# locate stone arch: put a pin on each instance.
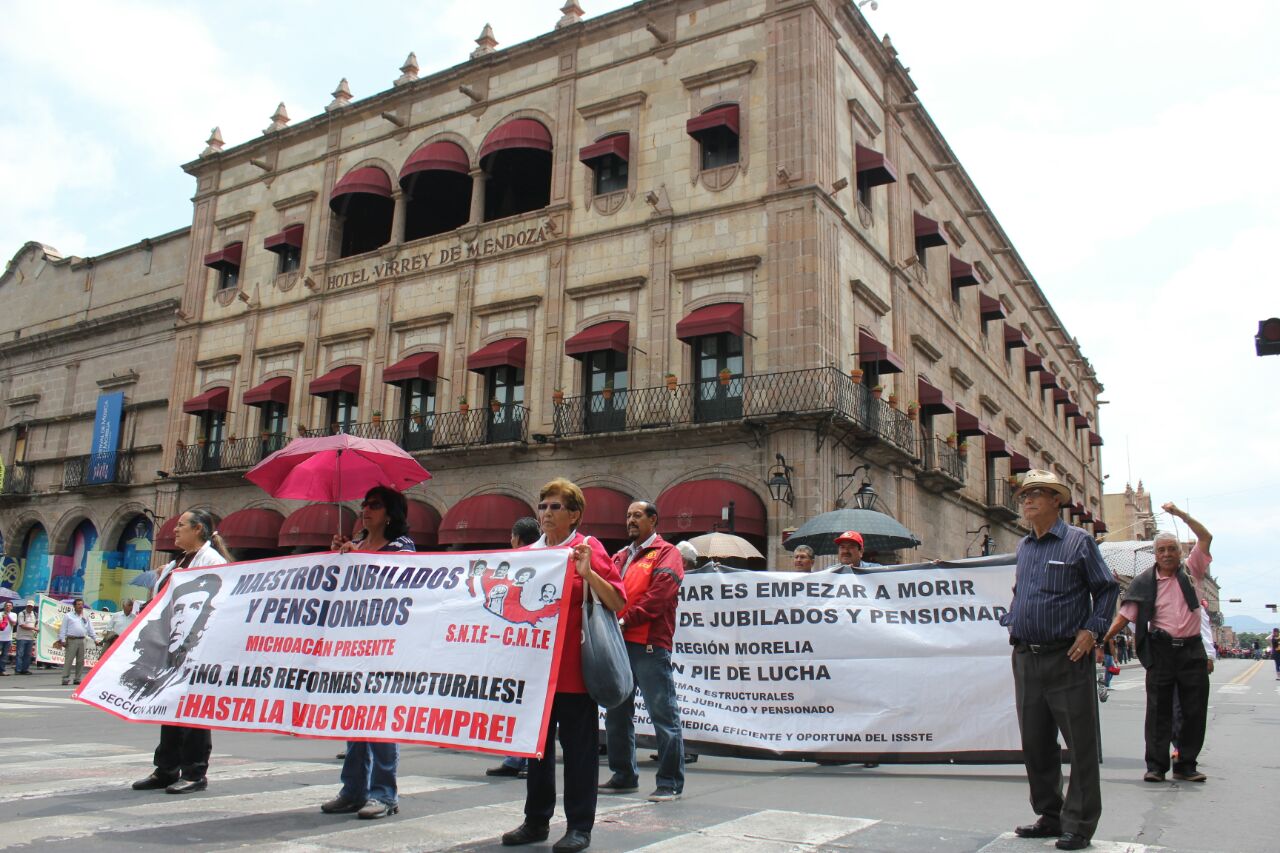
(60, 535)
(111, 531)
(15, 538)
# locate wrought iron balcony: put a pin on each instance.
(18, 479)
(944, 465)
(444, 430)
(97, 469)
(229, 454)
(1000, 499)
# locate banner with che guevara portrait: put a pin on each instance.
(450, 649)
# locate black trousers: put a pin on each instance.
(183, 751)
(576, 717)
(1055, 695)
(1184, 671)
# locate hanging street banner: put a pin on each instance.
(454, 649)
(903, 664)
(49, 613)
(106, 438)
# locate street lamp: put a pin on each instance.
(865, 497)
(779, 481)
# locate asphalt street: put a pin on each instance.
(67, 769)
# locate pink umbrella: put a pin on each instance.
(335, 468)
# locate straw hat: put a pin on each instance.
(1038, 478)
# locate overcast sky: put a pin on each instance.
(1126, 147)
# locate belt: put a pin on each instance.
(1178, 642)
(1046, 646)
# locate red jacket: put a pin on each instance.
(652, 582)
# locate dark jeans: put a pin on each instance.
(183, 751)
(1053, 695)
(26, 650)
(1183, 671)
(369, 771)
(651, 667)
(577, 719)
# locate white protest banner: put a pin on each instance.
(904, 664)
(49, 613)
(455, 649)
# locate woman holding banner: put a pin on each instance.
(560, 508)
(182, 758)
(369, 768)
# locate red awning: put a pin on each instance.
(1047, 380)
(345, 378)
(1081, 422)
(421, 365)
(967, 424)
(990, 308)
(612, 335)
(227, 259)
(313, 526)
(873, 168)
(1032, 362)
(1070, 409)
(696, 507)
(517, 133)
(1060, 397)
(726, 116)
(1018, 463)
(1014, 337)
(1087, 518)
(291, 236)
(606, 514)
(996, 446)
(712, 320)
(252, 528)
(962, 274)
(871, 351)
(437, 157)
(164, 536)
(213, 400)
(617, 145)
(932, 400)
(369, 180)
(276, 390)
(424, 525)
(928, 232)
(506, 352)
(1077, 509)
(1099, 526)
(482, 520)
(1095, 440)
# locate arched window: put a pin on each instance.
(436, 180)
(362, 200)
(516, 158)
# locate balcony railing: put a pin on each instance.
(1000, 497)
(942, 457)
(18, 479)
(228, 454)
(97, 469)
(445, 430)
(891, 425)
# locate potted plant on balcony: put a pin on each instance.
(877, 391)
(495, 405)
(856, 374)
(463, 406)
(607, 391)
(963, 448)
(913, 409)
(671, 381)
(951, 440)
(725, 376)
(893, 400)
(377, 416)
(557, 396)
(302, 429)
(416, 414)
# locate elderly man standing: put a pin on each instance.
(652, 570)
(76, 629)
(1063, 598)
(119, 623)
(802, 558)
(1163, 604)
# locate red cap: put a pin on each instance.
(850, 536)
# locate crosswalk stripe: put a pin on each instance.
(11, 792)
(1235, 688)
(764, 832)
(46, 751)
(1010, 843)
(43, 700)
(193, 809)
(438, 831)
(7, 740)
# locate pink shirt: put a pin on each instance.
(1172, 613)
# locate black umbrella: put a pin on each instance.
(879, 531)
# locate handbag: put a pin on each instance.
(606, 669)
(1113, 669)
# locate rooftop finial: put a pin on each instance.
(572, 14)
(279, 120)
(341, 96)
(213, 145)
(408, 71)
(486, 43)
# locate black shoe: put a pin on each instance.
(375, 809)
(154, 782)
(525, 834)
(1193, 776)
(618, 785)
(503, 770)
(341, 805)
(573, 841)
(1042, 828)
(187, 786)
(1152, 776)
(342, 756)
(1071, 841)
(871, 764)
(664, 794)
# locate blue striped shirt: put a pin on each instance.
(1061, 586)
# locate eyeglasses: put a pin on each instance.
(550, 507)
(1033, 493)
(371, 505)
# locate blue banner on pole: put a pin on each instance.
(106, 438)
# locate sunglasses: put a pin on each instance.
(371, 505)
(550, 507)
(1033, 493)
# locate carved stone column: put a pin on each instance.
(477, 197)
(397, 216)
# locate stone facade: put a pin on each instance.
(1130, 514)
(820, 270)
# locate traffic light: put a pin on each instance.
(1267, 341)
